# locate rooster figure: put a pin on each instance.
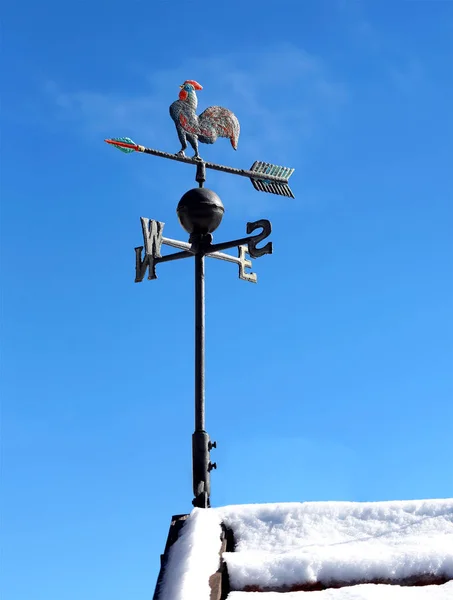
(214, 122)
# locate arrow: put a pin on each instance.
(265, 177)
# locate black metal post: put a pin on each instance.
(201, 444)
(199, 342)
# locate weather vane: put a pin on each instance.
(200, 212)
(214, 122)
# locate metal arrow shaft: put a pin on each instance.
(190, 161)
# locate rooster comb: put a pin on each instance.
(195, 84)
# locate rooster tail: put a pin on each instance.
(221, 122)
(234, 139)
(234, 130)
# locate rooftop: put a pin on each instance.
(314, 551)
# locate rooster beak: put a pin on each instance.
(181, 86)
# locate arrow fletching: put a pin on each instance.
(280, 188)
(124, 144)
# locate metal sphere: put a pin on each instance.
(200, 211)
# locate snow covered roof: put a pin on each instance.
(315, 551)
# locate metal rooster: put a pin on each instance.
(213, 122)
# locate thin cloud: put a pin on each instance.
(280, 96)
(399, 67)
(98, 112)
(408, 78)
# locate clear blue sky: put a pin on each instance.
(330, 379)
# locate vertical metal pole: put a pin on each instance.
(200, 439)
(199, 343)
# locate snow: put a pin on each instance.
(193, 558)
(281, 545)
(304, 543)
(358, 592)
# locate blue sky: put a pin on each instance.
(331, 379)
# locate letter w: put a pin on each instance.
(152, 237)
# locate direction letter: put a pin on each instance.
(256, 239)
(245, 264)
(152, 236)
